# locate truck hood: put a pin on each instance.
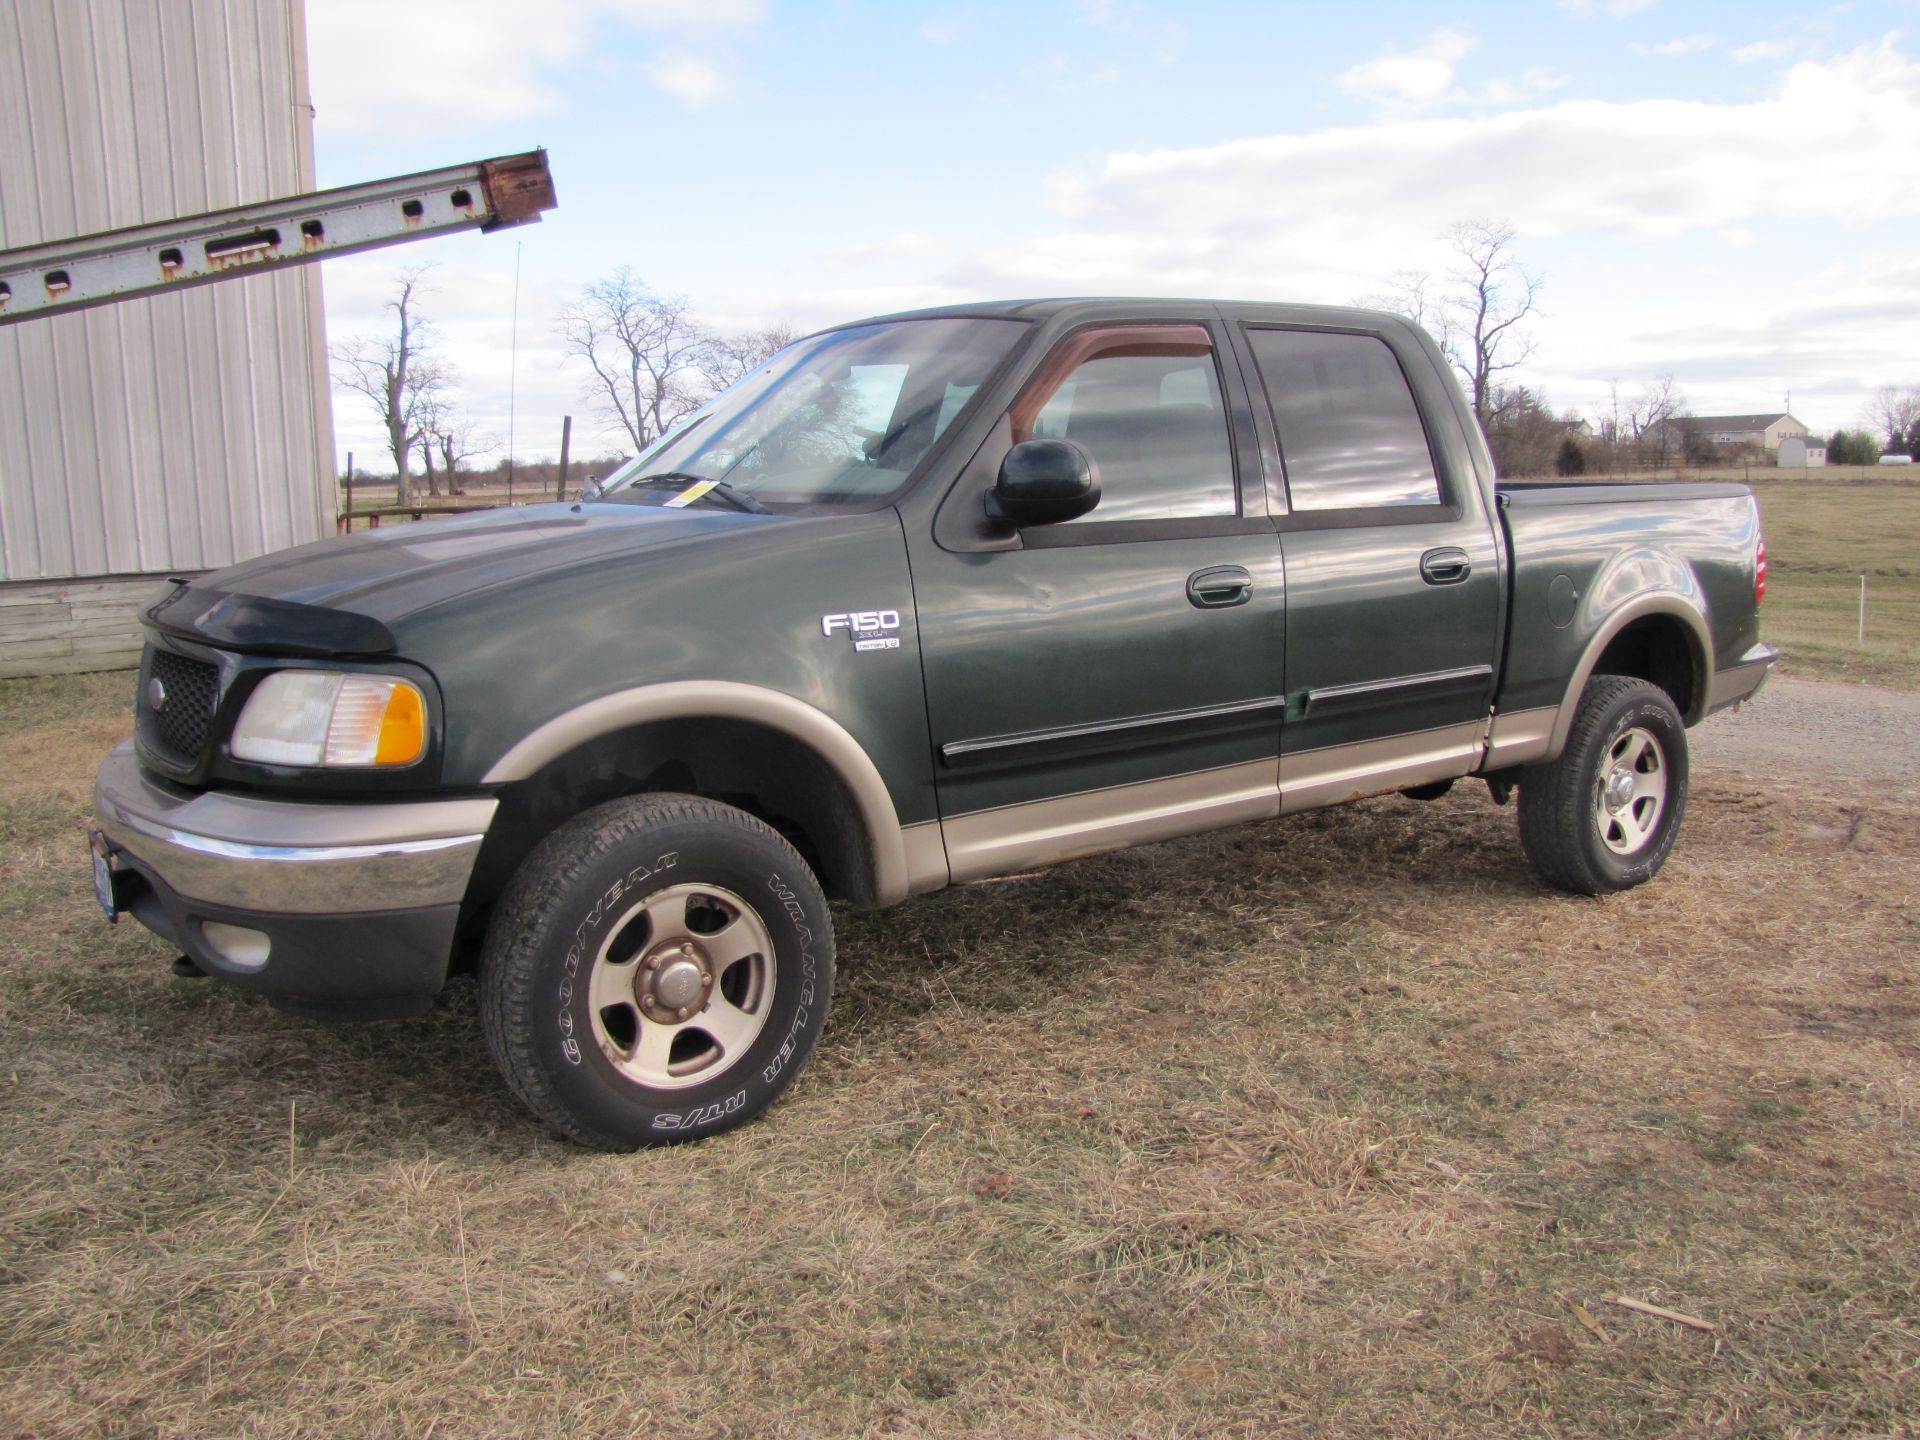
(370, 580)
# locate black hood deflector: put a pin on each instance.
(257, 624)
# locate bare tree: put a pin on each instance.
(454, 439)
(1653, 418)
(399, 377)
(1894, 410)
(647, 354)
(1493, 295)
(729, 357)
(1477, 313)
(1411, 293)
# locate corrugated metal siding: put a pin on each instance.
(185, 431)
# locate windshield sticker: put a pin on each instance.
(868, 629)
(690, 494)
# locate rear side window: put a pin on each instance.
(1349, 433)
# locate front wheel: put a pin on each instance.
(1605, 815)
(658, 970)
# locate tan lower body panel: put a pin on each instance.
(1521, 738)
(1339, 773)
(1045, 832)
(926, 857)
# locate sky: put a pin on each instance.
(1726, 191)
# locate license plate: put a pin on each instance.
(103, 876)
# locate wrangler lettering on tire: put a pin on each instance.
(658, 970)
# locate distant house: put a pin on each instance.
(1752, 432)
(1801, 451)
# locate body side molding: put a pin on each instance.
(1340, 697)
(893, 877)
(1115, 734)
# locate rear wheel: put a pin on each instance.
(658, 970)
(1605, 815)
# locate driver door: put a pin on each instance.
(1118, 677)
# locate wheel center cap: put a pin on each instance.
(1619, 790)
(678, 983)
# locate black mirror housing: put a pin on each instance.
(1045, 482)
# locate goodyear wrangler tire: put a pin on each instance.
(658, 970)
(1604, 816)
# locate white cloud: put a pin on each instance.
(908, 245)
(1417, 77)
(1682, 45)
(1618, 9)
(1835, 138)
(1830, 349)
(428, 67)
(1531, 85)
(1327, 215)
(1764, 50)
(688, 77)
(1121, 17)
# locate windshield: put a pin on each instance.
(835, 420)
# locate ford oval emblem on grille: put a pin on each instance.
(157, 693)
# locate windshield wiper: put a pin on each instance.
(736, 497)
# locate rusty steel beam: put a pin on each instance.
(114, 265)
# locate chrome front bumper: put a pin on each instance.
(290, 857)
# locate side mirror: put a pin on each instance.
(1045, 482)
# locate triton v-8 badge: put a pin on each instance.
(869, 629)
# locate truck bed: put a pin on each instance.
(1580, 551)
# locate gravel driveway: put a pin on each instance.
(1814, 730)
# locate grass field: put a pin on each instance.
(1822, 536)
(1339, 1126)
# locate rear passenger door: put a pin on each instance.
(1393, 570)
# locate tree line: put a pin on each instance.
(1479, 311)
(649, 361)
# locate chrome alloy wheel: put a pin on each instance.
(1630, 795)
(682, 986)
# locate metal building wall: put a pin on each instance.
(180, 432)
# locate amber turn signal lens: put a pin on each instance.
(403, 729)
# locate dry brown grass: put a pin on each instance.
(1320, 1128)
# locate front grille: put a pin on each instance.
(181, 724)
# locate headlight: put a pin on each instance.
(325, 717)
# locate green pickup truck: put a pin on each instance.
(924, 600)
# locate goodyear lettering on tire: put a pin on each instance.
(570, 970)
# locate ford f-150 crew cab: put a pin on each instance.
(923, 600)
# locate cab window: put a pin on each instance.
(1145, 402)
(1350, 435)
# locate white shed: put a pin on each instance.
(163, 435)
(1798, 452)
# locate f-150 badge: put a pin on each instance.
(869, 629)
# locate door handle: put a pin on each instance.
(1447, 566)
(1219, 588)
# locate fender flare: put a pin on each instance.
(1661, 602)
(731, 700)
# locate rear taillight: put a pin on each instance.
(1760, 573)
